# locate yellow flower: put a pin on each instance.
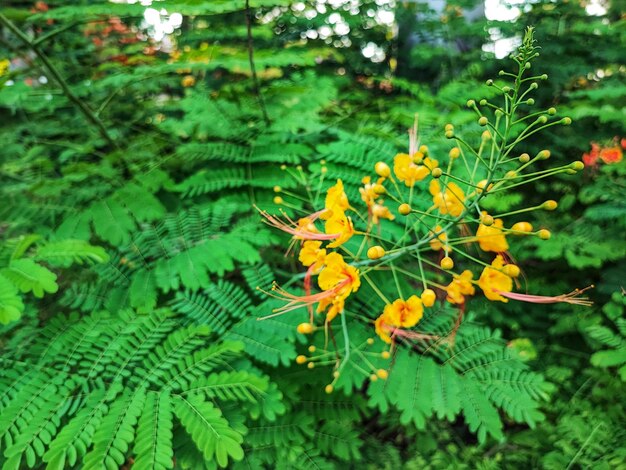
(339, 276)
(381, 212)
(408, 171)
(4, 66)
(368, 195)
(336, 307)
(312, 254)
(341, 226)
(381, 326)
(492, 238)
(450, 201)
(405, 314)
(438, 242)
(188, 81)
(492, 281)
(336, 201)
(460, 286)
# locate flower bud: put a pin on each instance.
(323, 162)
(489, 82)
(311, 365)
(566, 121)
(437, 172)
(418, 158)
(470, 103)
(299, 168)
(312, 349)
(549, 205)
(382, 169)
(324, 170)
(423, 149)
(480, 186)
(379, 189)
(483, 121)
(329, 389)
(542, 119)
(336, 374)
(511, 174)
(370, 341)
(544, 76)
(277, 189)
(305, 328)
(486, 135)
(551, 111)
(385, 355)
(511, 270)
(543, 155)
(524, 158)
(577, 166)
(544, 234)
(522, 227)
(428, 297)
(483, 102)
(448, 127)
(376, 252)
(487, 220)
(382, 374)
(533, 86)
(283, 167)
(301, 359)
(498, 113)
(506, 89)
(373, 377)
(527, 65)
(501, 73)
(449, 134)
(447, 263)
(455, 152)
(278, 200)
(530, 101)
(404, 209)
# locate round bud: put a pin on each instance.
(570, 172)
(501, 73)
(446, 263)
(283, 167)
(278, 200)
(551, 111)
(428, 297)
(373, 377)
(542, 119)
(483, 102)
(522, 227)
(549, 205)
(506, 89)
(323, 162)
(423, 149)
(324, 170)
(311, 365)
(329, 389)
(448, 127)
(511, 270)
(312, 349)
(544, 155)
(455, 152)
(486, 220)
(370, 341)
(527, 65)
(486, 135)
(379, 189)
(418, 158)
(437, 172)
(530, 101)
(566, 121)
(305, 328)
(510, 174)
(544, 234)
(524, 158)
(404, 209)
(489, 82)
(483, 121)
(480, 186)
(382, 169)
(449, 134)
(277, 189)
(498, 113)
(299, 168)
(577, 166)
(301, 359)
(382, 374)
(385, 355)
(336, 374)
(544, 76)
(533, 86)
(376, 252)
(470, 103)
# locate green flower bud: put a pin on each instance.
(506, 89)
(527, 65)
(566, 121)
(544, 77)
(449, 134)
(483, 102)
(534, 86)
(542, 119)
(499, 113)
(489, 82)
(577, 166)
(470, 103)
(552, 111)
(524, 158)
(543, 155)
(437, 172)
(501, 73)
(530, 101)
(483, 121)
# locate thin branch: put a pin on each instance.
(54, 73)
(255, 79)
